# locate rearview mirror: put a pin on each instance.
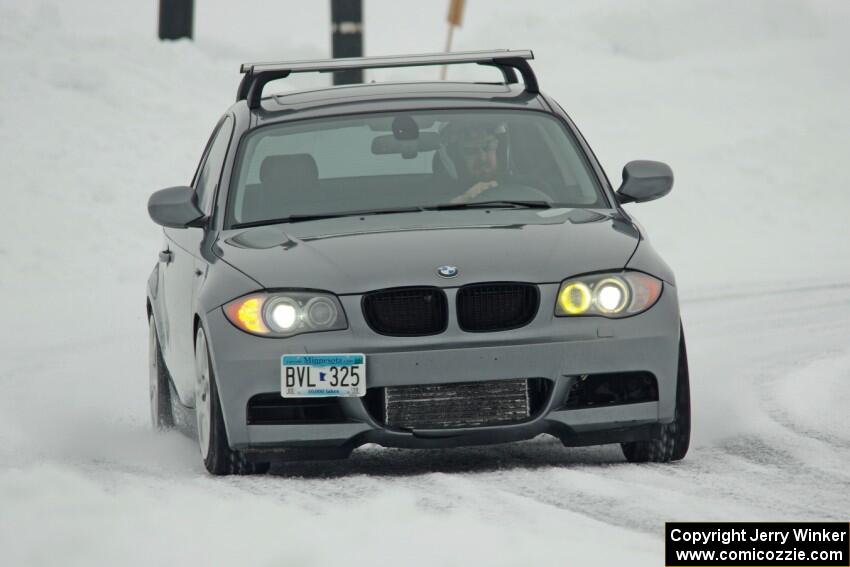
(645, 180)
(389, 144)
(175, 207)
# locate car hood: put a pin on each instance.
(352, 255)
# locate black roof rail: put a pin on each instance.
(507, 61)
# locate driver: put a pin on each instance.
(474, 150)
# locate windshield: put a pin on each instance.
(411, 160)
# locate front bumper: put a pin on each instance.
(557, 348)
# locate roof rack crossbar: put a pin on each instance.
(257, 75)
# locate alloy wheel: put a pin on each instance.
(203, 402)
(153, 376)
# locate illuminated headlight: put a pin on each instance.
(609, 295)
(282, 314)
(285, 314)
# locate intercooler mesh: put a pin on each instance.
(467, 404)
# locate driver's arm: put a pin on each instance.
(474, 191)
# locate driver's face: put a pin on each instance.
(480, 157)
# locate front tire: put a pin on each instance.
(675, 437)
(159, 384)
(219, 458)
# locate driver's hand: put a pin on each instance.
(474, 191)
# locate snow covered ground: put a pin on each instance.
(746, 100)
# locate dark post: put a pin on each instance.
(176, 19)
(347, 37)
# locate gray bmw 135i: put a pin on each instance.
(416, 265)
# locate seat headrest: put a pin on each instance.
(293, 170)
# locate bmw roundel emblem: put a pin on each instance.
(447, 271)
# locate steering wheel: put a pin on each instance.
(513, 192)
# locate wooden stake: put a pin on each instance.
(455, 19)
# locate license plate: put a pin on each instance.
(323, 375)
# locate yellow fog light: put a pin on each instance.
(575, 298)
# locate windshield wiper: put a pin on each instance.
(492, 205)
(443, 207)
(321, 216)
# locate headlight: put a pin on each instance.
(285, 314)
(608, 295)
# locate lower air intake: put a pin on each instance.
(597, 390)
(272, 409)
(465, 404)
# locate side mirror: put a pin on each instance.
(175, 207)
(645, 181)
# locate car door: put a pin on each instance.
(181, 269)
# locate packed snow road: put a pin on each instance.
(85, 482)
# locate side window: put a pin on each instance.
(208, 176)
